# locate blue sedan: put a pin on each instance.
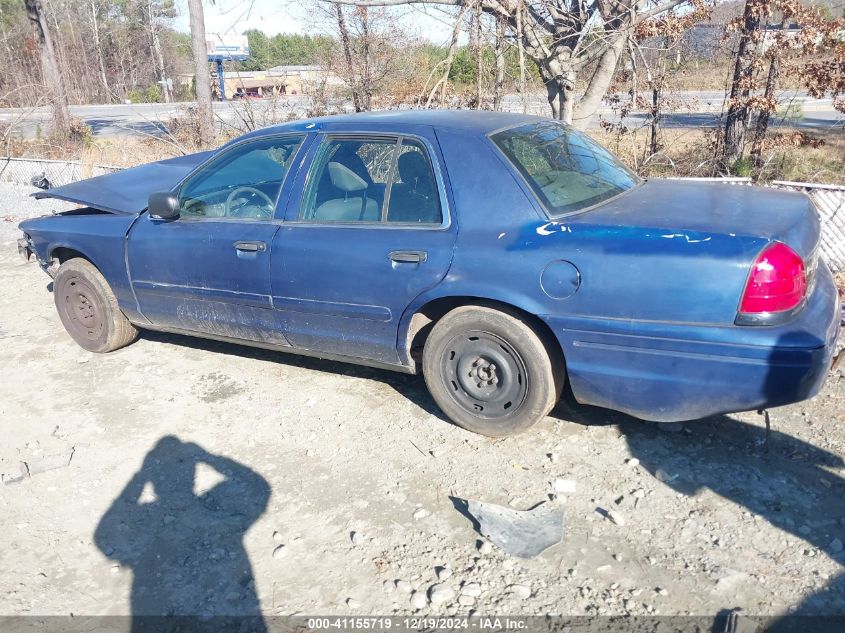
(499, 255)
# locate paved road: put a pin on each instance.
(700, 109)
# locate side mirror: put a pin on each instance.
(163, 206)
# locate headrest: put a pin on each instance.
(345, 179)
(412, 166)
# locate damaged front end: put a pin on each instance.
(25, 249)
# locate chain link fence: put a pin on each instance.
(830, 202)
(829, 199)
(33, 171)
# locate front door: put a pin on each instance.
(208, 271)
(369, 231)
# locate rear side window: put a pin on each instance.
(566, 169)
(414, 198)
(372, 181)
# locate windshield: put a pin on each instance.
(566, 169)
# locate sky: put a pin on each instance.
(286, 16)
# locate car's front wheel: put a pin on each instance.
(490, 372)
(88, 308)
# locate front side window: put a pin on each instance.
(372, 181)
(566, 169)
(242, 183)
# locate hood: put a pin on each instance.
(708, 208)
(127, 191)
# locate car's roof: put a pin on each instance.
(473, 121)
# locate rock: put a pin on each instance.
(466, 601)
(418, 600)
(663, 476)
(616, 517)
(564, 486)
(83, 359)
(440, 593)
(421, 513)
(520, 591)
(471, 589)
(352, 603)
(661, 591)
(404, 586)
(277, 536)
(639, 493)
(553, 458)
(356, 538)
(279, 551)
(443, 573)
(388, 586)
(485, 548)
(836, 546)
(633, 462)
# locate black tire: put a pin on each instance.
(490, 371)
(88, 308)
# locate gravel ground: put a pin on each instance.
(17, 204)
(206, 478)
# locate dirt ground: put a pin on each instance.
(229, 480)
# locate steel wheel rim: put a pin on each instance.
(82, 309)
(484, 374)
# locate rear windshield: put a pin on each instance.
(566, 169)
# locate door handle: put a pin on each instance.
(250, 247)
(408, 257)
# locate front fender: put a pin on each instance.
(99, 237)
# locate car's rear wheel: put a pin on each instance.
(490, 372)
(88, 308)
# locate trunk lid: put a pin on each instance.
(692, 210)
(127, 191)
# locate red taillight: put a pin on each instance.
(778, 281)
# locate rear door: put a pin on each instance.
(368, 229)
(208, 271)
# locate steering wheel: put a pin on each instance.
(236, 209)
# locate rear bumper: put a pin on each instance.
(666, 373)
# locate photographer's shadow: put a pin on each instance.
(185, 548)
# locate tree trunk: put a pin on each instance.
(53, 81)
(366, 79)
(99, 48)
(203, 85)
(654, 141)
(156, 46)
(762, 126)
(478, 52)
(603, 75)
(736, 122)
(347, 54)
(521, 53)
(499, 81)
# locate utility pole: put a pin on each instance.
(203, 85)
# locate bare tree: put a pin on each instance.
(815, 54)
(565, 39)
(203, 85)
(53, 81)
(499, 53)
(351, 78)
(739, 110)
